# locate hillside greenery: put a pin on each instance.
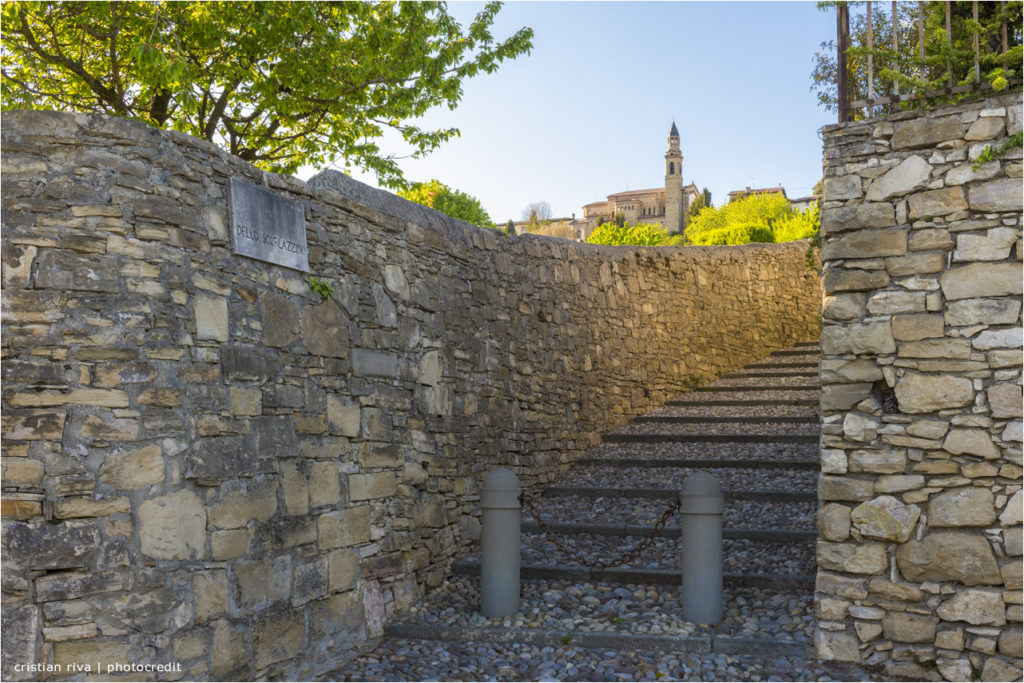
(455, 203)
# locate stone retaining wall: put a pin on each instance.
(206, 465)
(919, 549)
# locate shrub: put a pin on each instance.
(642, 234)
(739, 234)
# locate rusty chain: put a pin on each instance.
(623, 559)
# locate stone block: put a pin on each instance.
(338, 620)
(979, 280)
(324, 484)
(847, 280)
(910, 174)
(865, 244)
(936, 348)
(245, 363)
(949, 556)
(996, 195)
(295, 483)
(852, 558)
(929, 239)
(173, 527)
(242, 500)
(926, 132)
(324, 330)
(277, 637)
(76, 585)
(22, 472)
(859, 217)
(994, 245)
(840, 646)
(344, 528)
(376, 424)
(913, 327)
(210, 590)
(211, 314)
(859, 370)
(975, 606)
(1012, 513)
(92, 656)
(999, 339)
(936, 203)
(257, 584)
(133, 469)
(280, 319)
(857, 338)
(833, 522)
(905, 627)
(895, 591)
(343, 416)
(973, 441)
(373, 363)
(889, 302)
(919, 393)
(1010, 642)
(31, 425)
(229, 544)
(42, 546)
(843, 396)
(310, 581)
(885, 518)
(69, 508)
(860, 427)
(840, 188)
(915, 264)
(230, 646)
(343, 570)
(985, 128)
(898, 483)
(983, 311)
(996, 669)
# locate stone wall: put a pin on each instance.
(919, 551)
(206, 465)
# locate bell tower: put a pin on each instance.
(675, 216)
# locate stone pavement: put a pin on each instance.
(757, 431)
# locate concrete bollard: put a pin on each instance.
(701, 503)
(499, 544)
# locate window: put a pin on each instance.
(671, 168)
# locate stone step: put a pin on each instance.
(606, 640)
(670, 494)
(666, 437)
(765, 387)
(657, 577)
(809, 366)
(699, 463)
(742, 402)
(529, 526)
(727, 419)
(797, 351)
(757, 373)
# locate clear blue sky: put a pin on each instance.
(587, 112)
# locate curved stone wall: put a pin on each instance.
(207, 467)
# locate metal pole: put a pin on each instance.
(499, 544)
(977, 52)
(871, 64)
(895, 48)
(701, 503)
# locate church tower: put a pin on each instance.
(675, 215)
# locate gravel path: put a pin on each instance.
(719, 428)
(731, 479)
(419, 660)
(737, 411)
(811, 382)
(706, 451)
(752, 395)
(791, 516)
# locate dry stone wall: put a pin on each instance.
(919, 550)
(207, 468)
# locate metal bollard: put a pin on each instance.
(701, 503)
(499, 544)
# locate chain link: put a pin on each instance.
(624, 558)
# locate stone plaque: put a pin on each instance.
(268, 227)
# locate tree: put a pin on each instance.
(510, 227)
(538, 211)
(277, 84)
(559, 229)
(699, 204)
(642, 234)
(945, 63)
(456, 204)
(764, 217)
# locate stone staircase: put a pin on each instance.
(583, 618)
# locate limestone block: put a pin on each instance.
(885, 518)
(114, 429)
(1010, 642)
(387, 314)
(860, 217)
(242, 500)
(413, 473)
(994, 245)
(843, 306)
(344, 528)
(229, 544)
(173, 526)
(104, 398)
(913, 327)
(852, 558)
(1012, 513)
(840, 646)
(928, 429)
(256, 584)
(926, 132)
(69, 508)
(928, 239)
(230, 646)
(906, 627)
(324, 484)
(343, 570)
(280, 319)
(85, 655)
(324, 331)
(343, 416)
(394, 279)
(843, 396)
(309, 582)
(210, 589)
(895, 591)
(973, 441)
(372, 363)
(376, 424)
(22, 472)
(431, 370)
(975, 606)
(1013, 575)
(859, 370)
(996, 669)
(42, 546)
(889, 302)
(909, 174)
(898, 483)
(919, 393)
(983, 311)
(295, 484)
(841, 188)
(371, 486)
(846, 280)
(211, 314)
(834, 522)
(965, 173)
(860, 427)
(996, 195)
(865, 244)
(915, 264)
(1012, 338)
(246, 401)
(936, 348)
(277, 637)
(936, 203)
(979, 280)
(965, 506)
(857, 338)
(30, 425)
(985, 128)
(949, 556)
(867, 630)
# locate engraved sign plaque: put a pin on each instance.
(268, 227)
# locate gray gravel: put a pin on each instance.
(731, 479)
(812, 382)
(706, 451)
(751, 395)
(719, 428)
(738, 411)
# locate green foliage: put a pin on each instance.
(280, 84)
(322, 287)
(765, 217)
(510, 227)
(642, 234)
(699, 204)
(946, 62)
(456, 204)
(989, 154)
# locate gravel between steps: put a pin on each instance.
(737, 411)
(790, 516)
(754, 382)
(705, 451)
(719, 428)
(731, 479)
(751, 395)
(429, 660)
